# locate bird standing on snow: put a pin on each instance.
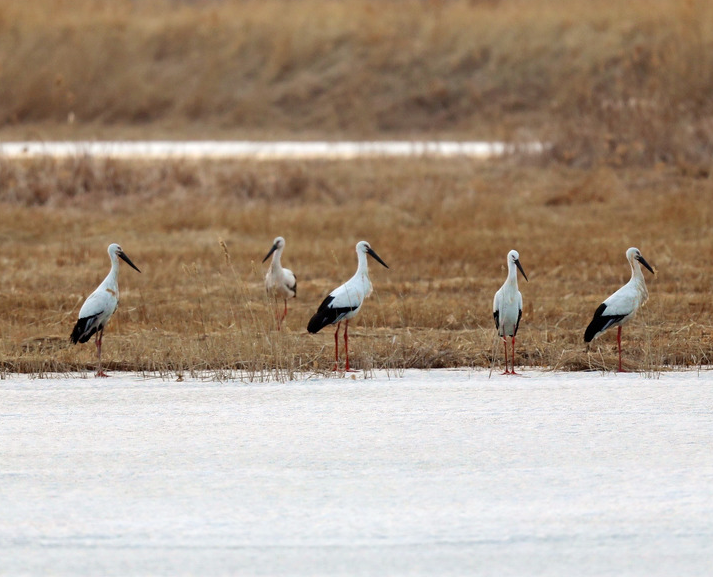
(344, 302)
(507, 307)
(623, 304)
(280, 282)
(100, 305)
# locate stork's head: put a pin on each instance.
(116, 251)
(365, 247)
(634, 254)
(277, 244)
(514, 260)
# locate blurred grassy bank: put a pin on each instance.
(602, 80)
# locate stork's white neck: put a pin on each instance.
(638, 281)
(276, 264)
(363, 265)
(636, 272)
(112, 278)
(362, 273)
(512, 273)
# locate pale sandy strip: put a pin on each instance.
(260, 150)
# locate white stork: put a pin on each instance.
(623, 304)
(100, 305)
(279, 282)
(344, 302)
(507, 307)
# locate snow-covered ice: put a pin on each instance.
(446, 472)
(258, 150)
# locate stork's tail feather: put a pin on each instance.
(327, 316)
(596, 325)
(590, 332)
(321, 318)
(600, 323)
(316, 323)
(83, 330)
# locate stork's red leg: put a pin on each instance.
(336, 348)
(512, 357)
(618, 342)
(505, 343)
(346, 348)
(346, 345)
(98, 338)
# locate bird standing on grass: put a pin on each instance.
(507, 307)
(280, 282)
(620, 307)
(100, 305)
(344, 302)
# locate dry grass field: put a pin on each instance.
(199, 230)
(620, 90)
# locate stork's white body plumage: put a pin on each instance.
(101, 305)
(507, 306)
(621, 306)
(279, 282)
(344, 302)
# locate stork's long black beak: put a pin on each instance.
(127, 260)
(642, 260)
(517, 263)
(273, 249)
(376, 256)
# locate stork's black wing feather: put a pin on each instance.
(84, 329)
(600, 322)
(326, 315)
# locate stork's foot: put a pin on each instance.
(102, 374)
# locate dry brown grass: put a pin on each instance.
(624, 82)
(444, 228)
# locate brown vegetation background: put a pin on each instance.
(620, 91)
(624, 81)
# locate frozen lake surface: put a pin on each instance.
(262, 150)
(445, 472)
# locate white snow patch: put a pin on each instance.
(262, 150)
(442, 472)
